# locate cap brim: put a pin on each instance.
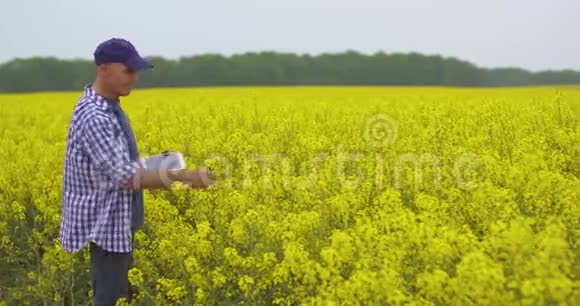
(138, 63)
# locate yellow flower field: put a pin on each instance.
(331, 195)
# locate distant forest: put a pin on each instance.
(281, 69)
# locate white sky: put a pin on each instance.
(531, 34)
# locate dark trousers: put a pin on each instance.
(110, 275)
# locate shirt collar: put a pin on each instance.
(100, 101)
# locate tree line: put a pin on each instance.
(279, 69)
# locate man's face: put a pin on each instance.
(119, 78)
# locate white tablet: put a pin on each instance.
(166, 160)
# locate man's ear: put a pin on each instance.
(102, 67)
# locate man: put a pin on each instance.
(102, 200)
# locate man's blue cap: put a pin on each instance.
(118, 50)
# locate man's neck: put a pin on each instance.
(98, 88)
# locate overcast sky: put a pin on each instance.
(531, 34)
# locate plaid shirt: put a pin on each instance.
(95, 205)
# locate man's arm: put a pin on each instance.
(163, 178)
(107, 153)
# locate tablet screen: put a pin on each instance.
(172, 160)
